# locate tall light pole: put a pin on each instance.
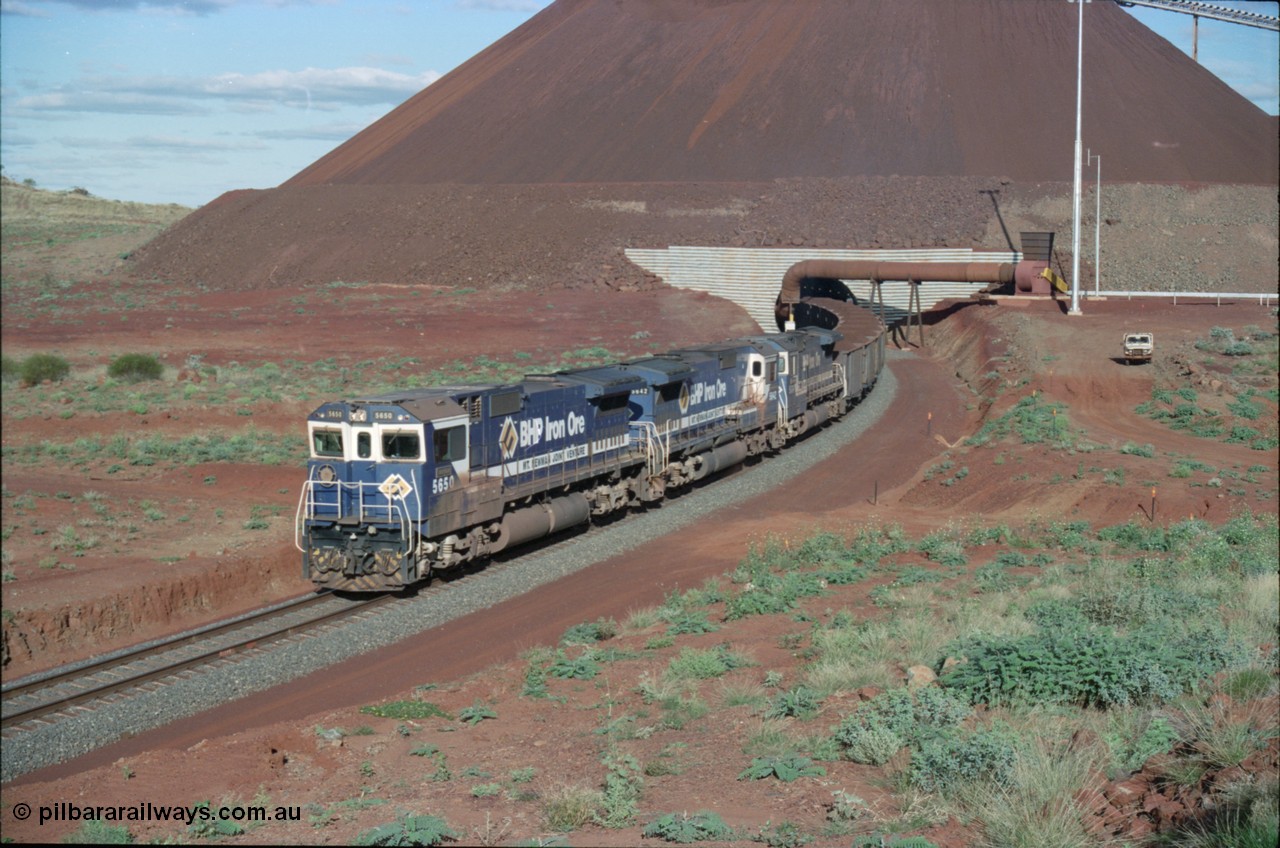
(1097, 226)
(1075, 193)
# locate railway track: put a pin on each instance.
(72, 726)
(44, 699)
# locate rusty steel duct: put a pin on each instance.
(831, 313)
(878, 272)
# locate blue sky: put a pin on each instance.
(177, 101)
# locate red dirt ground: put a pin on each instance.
(266, 745)
(451, 232)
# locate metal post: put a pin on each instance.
(1075, 193)
(1097, 227)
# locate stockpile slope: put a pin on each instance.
(606, 124)
(750, 90)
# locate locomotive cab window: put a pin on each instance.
(757, 368)
(400, 445)
(450, 444)
(326, 443)
(364, 445)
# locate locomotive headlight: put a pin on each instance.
(372, 530)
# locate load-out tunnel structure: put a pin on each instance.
(750, 277)
(813, 292)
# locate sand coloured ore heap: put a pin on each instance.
(604, 124)
(751, 90)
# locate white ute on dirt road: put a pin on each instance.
(1138, 347)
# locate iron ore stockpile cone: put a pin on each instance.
(677, 98)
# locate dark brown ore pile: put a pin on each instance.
(603, 124)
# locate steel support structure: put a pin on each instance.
(1210, 11)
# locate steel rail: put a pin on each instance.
(133, 681)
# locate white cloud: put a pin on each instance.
(173, 7)
(23, 10)
(106, 102)
(343, 85)
(503, 5)
(318, 132)
(313, 88)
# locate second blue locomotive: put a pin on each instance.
(403, 484)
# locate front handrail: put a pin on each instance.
(371, 504)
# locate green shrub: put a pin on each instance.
(686, 622)
(871, 545)
(895, 718)
(10, 369)
(943, 549)
(947, 758)
(623, 784)
(135, 368)
(876, 840)
(873, 746)
(786, 768)
(206, 826)
(1134, 738)
(915, 575)
(697, 664)
(822, 549)
(409, 829)
(1090, 666)
(98, 832)
(582, 667)
(769, 594)
(39, 367)
(406, 709)
(684, 828)
(590, 632)
(1242, 407)
(799, 702)
(476, 713)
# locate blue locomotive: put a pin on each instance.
(403, 484)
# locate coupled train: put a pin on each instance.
(403, 484)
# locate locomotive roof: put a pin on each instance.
(402, 396)
(665, 370)
(605, 380)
